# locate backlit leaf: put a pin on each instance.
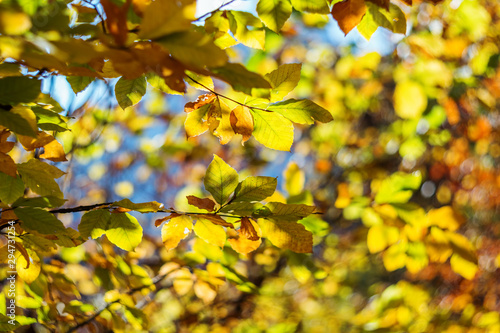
(348, 14)
(398, 188)
(273, 130)
(445, 217)
(410, 100)
(94, 223)
(255, 188)
(124, 231)
(79, 83)
(287, 235)
(54, 152)
(239, 77)
(163, 17)
(250, 229)
(242, 122)
(247, 29)
(301, 111)
(220, 180)
(175, 230)
(274, 13)
(209, 232)
(288, 212)
(294, 179)
(283, 80)
(28, 273)
(7, 165)
(130, 92)
(243, 245)
(311, 6)
(143, 207)
(39, 177)
(464, 267)
(380, 237)
(196, 122)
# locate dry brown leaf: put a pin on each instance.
(205, 203)
(215, 219)
(7, 165)
(166, 218)
(200, 101)
(247, 229)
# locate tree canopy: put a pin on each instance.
(338, 189)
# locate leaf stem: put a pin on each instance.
(214, 11)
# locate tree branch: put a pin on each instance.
(214, 11)
(228, 98)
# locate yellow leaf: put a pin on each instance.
(222, 129)
(463, 266)
(445, 218)
(243, 245)
(54, 152)
(294, 179)
(163, 17)
(183, 281)
(28, 272)
(242, 122)
(30, 143)
(438, 246)
(395, 257)
(410, 100)
(195, 123)
(287, 235)
(14, 23)
(175, 230)
(380, 237)
(205, 291)
(209, 232)
(273, 130)
(348, 14)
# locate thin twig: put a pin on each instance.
(214, 11)
(79, 208)
(228, 98)
(98, 14)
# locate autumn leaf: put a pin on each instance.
(176, 230)
(200, 101)
(255, 189)
(348, 14)
(209, 232)
(274, 13)
(273, 130)
(287, 235)
(220, 180)
(248, 229)
(283, 80)
(205, 203)
(242, 122)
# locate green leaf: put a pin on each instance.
(18, 89)
(220, 180)
(10, 188)
(7, 324)
(163, 17)
(79, 83)
(144, 207)
(398, 188)
(49, 120)
(255, 188)
(38, 243)
(130, 92)
(20, 120)
(274, 13)
(239, 77)
(195, 123)
(39, 177)
(124, 231)
(94, 223)
(247, 29)
(272, 130)
(194, 48)
(283, 80)
(204, 81)
(39, 220)
(301, 111)
(288, 212)
(393, 19)
(311, 6)
(43, 202)
(287, 235)
(158, 82)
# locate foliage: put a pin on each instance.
(383, 219)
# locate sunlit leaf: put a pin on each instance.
(130, 92)
(39, 220)
(124, 231)
(348, 14)
(274, 13)
(39, 177)
(247, 29)
(10, 188)
(202, 203)
(380, 237)
(242, 122)
(410, 100)
(255, 188)
(209, 232)
(176, 230)
(287, 235)
(464, 267)
(144, 207)
(311, 6)
(164, 17)
(273, 130)
(94, 223)
(283, 80)
(220, 180)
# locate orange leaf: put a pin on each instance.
(116, 20)
(205, 203)
(7, 165)
(30, 143)
(54, 151)
(243, 245)
(200, 101)
(242, 122)
(5, 146)
(348, 14)
(247, 229)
